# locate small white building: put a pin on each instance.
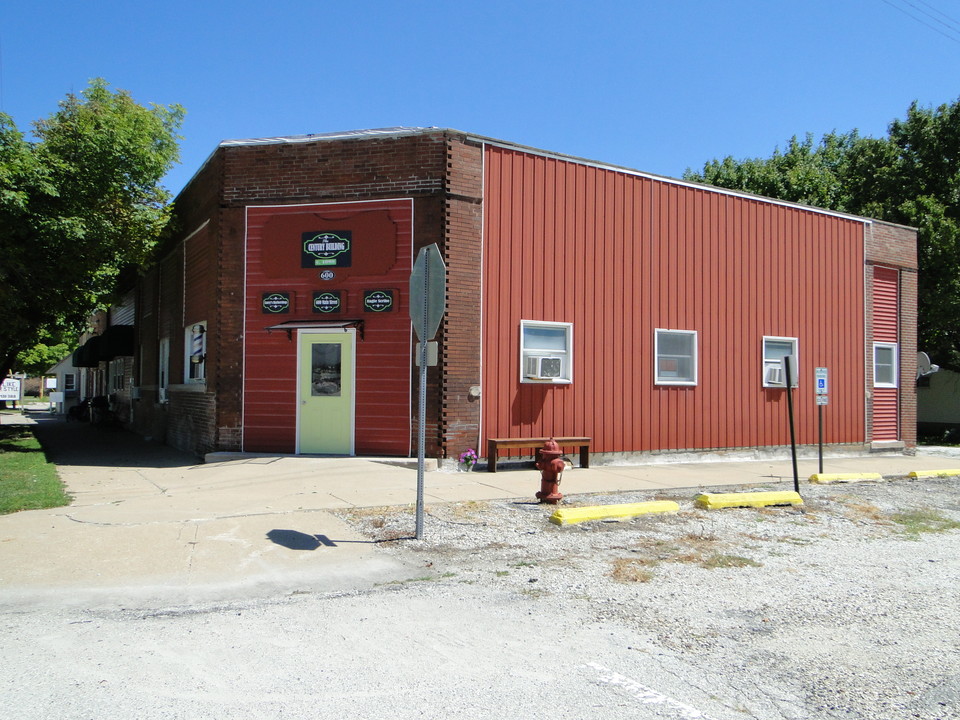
(68, 385)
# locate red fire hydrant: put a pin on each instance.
(551, 467)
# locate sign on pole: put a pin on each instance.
(428, 289)
(10, 390)
(822, 388)
(820, 375)
(428, 301)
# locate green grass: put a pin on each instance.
(27, 480)
(721, 560)
(924, 520)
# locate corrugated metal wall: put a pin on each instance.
(886, 316)
(619, 255)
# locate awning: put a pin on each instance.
(88, 354)
(117, 341)
(292, 325)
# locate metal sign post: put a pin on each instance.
(793, 434)
(428, 289)
(822, 397)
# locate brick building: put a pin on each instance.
(648, 313)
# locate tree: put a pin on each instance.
(911, 177)
(77, 205)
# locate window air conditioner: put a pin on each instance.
(774, 375)
(543, 368)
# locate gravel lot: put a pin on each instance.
(847, 608)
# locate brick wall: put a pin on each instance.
(228, 330)
(895, 246)
(361, 167)
(328, 170)
(462, 227)
(190, 421)
(165, 304)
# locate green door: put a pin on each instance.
(325, 396)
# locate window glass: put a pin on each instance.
(777, 349)
(326, 370)
(884, 365)
(196, 352)
(676, 357)
(545, 338)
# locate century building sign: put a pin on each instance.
(326, 249)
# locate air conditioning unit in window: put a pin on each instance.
(543, 368)
(774, 375)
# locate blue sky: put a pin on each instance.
(659, 87)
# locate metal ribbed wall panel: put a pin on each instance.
(886, 304)
(619, 255)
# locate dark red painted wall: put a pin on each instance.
(382, 251)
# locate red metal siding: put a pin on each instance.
(886, 304)
(382, 421)
(619, 255)
(886, 314)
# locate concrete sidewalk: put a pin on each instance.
(149, 520)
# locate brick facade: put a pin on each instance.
(461, 358)
(895, 247)
(208, 251)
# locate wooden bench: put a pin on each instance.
(494, 445)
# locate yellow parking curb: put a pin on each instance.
(570, 516)
(824, 478)
(715, 501)
(934, 473)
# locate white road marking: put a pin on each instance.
(646, 695)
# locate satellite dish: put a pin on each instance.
(924, 366)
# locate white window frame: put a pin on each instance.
(565, 355)
(894, 364)
(694, 356)
(69, 382)
(769, 364)
(195, 372)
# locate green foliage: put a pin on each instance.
(911, 177)
(39, 358)
(76, 207)
(27, 480)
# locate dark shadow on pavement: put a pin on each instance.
(80, 443)
(296, 540)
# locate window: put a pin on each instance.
(163, 370)
(116, 375)
(675, 352)
(546, 352)
(775, 349)
(885, 365)
(195, 351)
(70, 383)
